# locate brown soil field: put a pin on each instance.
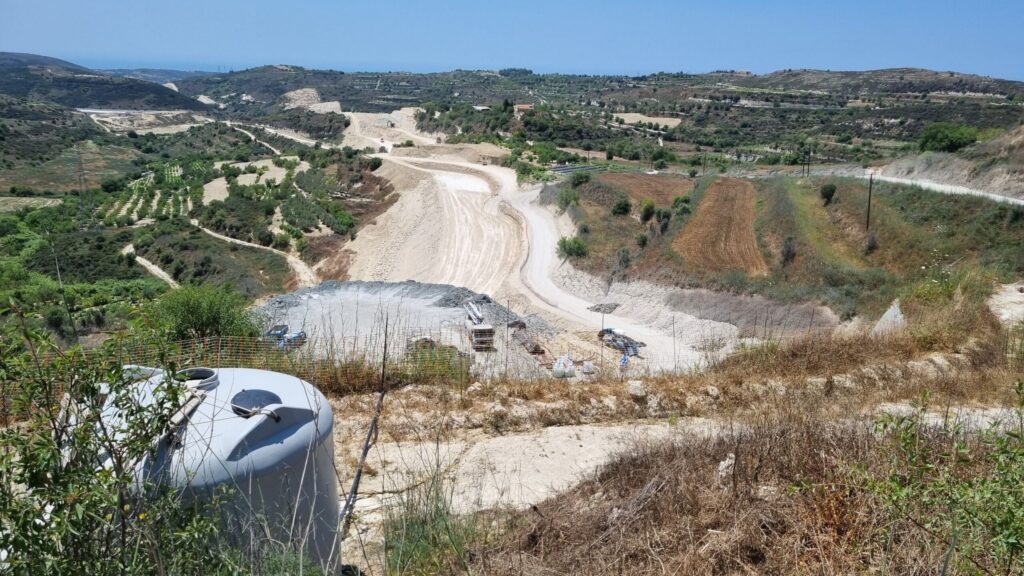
(720, 236)
(659, 188)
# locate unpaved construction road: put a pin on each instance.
(469, 224)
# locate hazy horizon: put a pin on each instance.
(572, 37)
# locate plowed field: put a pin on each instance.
(720, 236)
(662, 189)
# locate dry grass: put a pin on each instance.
(661, 189)
(13, 203)
(798, 498)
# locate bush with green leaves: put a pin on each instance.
(568, 197)
(646, 210)
(68, 498)
(574, 247)
(622, 207)
(200, 311)
(827, 192)
(947, 137)
(681, 205)
(961, 487)
(579, 178)
(71, 501)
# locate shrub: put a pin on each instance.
(201, 311)
(624, 258)
(788, 251)
(622, 207)
(871, 244)
(579, 178)
(641, 240)
(567, 197)
(264, 237)
(947, 137)
(646, 210)
(828, 192)
(282, 241)
(583, 229)
(574, 247)
(69, 502)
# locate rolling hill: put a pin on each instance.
(49, 79)
(879, 82)
(155, 75)
(995, 165)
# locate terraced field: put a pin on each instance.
(12, 203)
(720, 237)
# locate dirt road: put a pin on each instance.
(150, 267)
(942, 188)
(387, 130)
(472, 225)
(304, 275)
(253, 137)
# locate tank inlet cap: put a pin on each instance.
(199, 378)
(248, 403)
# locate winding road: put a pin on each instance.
(150, 267)
(304, 275)
(472, 225)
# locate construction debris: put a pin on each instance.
(617, 339)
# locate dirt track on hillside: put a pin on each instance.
(720, 236)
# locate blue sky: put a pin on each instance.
(592, 37)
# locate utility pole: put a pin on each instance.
(871, 185)
(508, 344)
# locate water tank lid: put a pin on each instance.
(201, 378)
(249, 402)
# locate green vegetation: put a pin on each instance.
(97, 287)
(574, 247)
(579, 178)
(947, 137)
(201, 311)
(567, 197)
(49, 79)
(646, 210)
(827, 192)
(70, 501)
(622, 207)
(191, 256)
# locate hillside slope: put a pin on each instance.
(887, 81)
(52, 80)
(995, 166)
(156, 75)
(32, 131)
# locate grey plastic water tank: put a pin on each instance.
(265, 436)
